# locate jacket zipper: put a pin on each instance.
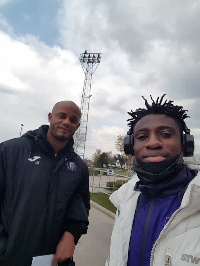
(145, 232)
(47, 200)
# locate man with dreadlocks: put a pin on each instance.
(158, 218)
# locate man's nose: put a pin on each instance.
(154, 142)
(66, 122)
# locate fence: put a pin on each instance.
(101, 182)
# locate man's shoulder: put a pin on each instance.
(130, 184)
(192, 189)
(14, 143)
(124, 193)
(193, 162)
(80, 160)
(196, 180)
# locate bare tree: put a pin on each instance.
(119, 144)
(130, 160)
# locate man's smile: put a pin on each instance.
(65, 129)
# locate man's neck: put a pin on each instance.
(56, 144)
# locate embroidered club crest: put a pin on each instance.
(71, 166)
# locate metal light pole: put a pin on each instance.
(21, 130)
(89, 62)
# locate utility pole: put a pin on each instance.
(89, 62)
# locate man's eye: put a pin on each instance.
(74, 121)
(166, 135)
(141, 137)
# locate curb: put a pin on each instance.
(102, 209)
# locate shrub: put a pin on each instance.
(115, 184)
(93, 171)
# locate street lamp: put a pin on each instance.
(21, 130)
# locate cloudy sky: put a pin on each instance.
(148, 47)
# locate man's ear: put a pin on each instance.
(49, 117)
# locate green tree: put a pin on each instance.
(111, 160)
(96, 156)
(121, 158)
(102, 160)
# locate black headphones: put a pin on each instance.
(187, 144)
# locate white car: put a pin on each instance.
(110, 172)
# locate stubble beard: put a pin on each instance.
(62, 138)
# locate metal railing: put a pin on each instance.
(101, 182)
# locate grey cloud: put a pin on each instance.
(133, 28)
(133, 25)
(6, 89)
(104, 99)
(182, 83)
(194, 113)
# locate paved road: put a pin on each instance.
(93, 248)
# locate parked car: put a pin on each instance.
(110, 172)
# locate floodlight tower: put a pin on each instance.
(89, 62)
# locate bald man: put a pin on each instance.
(44, 191)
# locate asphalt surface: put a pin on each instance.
(93, 248)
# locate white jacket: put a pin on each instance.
(178, 243)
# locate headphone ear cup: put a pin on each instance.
(188, 145)
(128, 145)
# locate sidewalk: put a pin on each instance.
(102, 209)
(93, 248)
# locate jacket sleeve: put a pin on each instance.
(78, 209)
(3, 237)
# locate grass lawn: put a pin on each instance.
(103, 200)
(121, 172)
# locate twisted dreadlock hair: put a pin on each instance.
(159, 107)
